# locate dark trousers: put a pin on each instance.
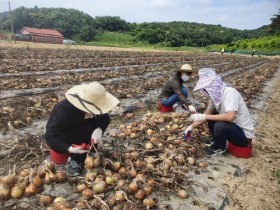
(83, 134)
(226, 131)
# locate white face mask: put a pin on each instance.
(185, 77)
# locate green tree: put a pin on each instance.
(275, 24)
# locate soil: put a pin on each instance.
(259, 187)
(226, 183)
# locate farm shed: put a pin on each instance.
(43, 35)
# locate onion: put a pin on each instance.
(139, 195)
(149, 132)
(50, 178)
(122, 171)
(150, 181)
(51, 166)
(119, 195)
(81, 187)
(160, 145)
(116, 177)
(127, 155)
(148, 189)
(82, 204)
(10, 180)
(150, 165)
(59, 199)
(167, 164)
(202, 164)
(191, 160)
(111, 200)
(132, 173)
(140, 177)
(96, 161)
(60, 203)
(24, 173)
(87, 193)
(121, 183)
(109, 180)
(88, 162)
(30, 190)
(153, 140)
(177, 141)
(116, 165)
(91, 175)
(182, 194)
(134, 155)
(149, 146)
(122, 135)
(192, 150)
(44, 200)
(129, 115)
(150, 159)
(149, 202)
(28, 120)
(170, 146)
(16, 191)
(138, 163)
(179, 159)
(36, 180)
(133, 186)
(99, 186)
(61, 176)
(4, 191)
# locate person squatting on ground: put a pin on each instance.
(227, 114)
(174, 90)
(80, 118)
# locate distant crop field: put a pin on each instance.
(147, 144)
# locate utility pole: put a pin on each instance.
(12, 27)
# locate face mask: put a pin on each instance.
(185, 77)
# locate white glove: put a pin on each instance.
(192, 109)
(77, 150)
(96, 136)
(198, 117)
(189, 129)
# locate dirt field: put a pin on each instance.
(35, 77)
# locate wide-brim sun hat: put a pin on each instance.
(206, 77)
(91, 98)
(186, 68)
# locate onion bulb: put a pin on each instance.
(99, 186)
(149, 202)
(182, 194)
(16, 191)
(119, 195)
(149, 146)
(44, 200)
(88, 162)
(139, 195)
(4, 191)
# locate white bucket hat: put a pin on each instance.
(91, 98)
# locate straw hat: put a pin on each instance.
(186, 68)
(91, 98)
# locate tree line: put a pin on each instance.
(80, 26)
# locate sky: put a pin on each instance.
(238, 14)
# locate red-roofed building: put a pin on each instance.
(43, 35)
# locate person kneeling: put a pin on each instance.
(78, 120)
(227, 114)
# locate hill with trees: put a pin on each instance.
(80, 26)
